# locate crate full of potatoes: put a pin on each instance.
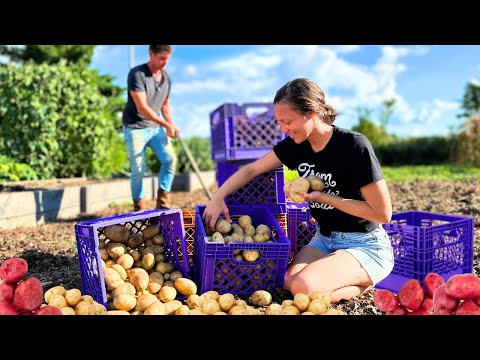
(144, 249)
(249, 254)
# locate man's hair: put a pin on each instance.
(159, 48)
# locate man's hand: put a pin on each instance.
(172, 130)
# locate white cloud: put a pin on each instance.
(191, 70)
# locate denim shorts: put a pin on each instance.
(372, 249)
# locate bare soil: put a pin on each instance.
(51, 251)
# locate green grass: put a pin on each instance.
(420, 172)
(430, 172)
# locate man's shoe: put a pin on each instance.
(163, 199)
(139, 205)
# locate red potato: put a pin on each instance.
(419, 312)
(28, 294)
(463, 286)
(411, 294)
(467, 307)
(400, 310)
(431, 282)
(443, 301)
(477, 300)
(7, 290)
(385, 300)
(427, 304)
(48, 310)
(13, 270)
(441, 312)
(7, 308)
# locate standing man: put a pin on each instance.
(148, 96)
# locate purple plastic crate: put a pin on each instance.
(214, 265)
(247, 131)
(427, 242)
(300, 228)
(88, 234)
(265, 189)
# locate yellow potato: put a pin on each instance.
(60, 290)
(226, 301)
(167, 294)
(73, 297)
(316, 184)
(155, 308)
(172, 306)
(301, 301)
(244, 221)
(182, 310)
(135, 240)
(261, 298)
(116, 233)
(150, 231)
(293, 187)
(144, 301)
(223, 226)
(185, 286)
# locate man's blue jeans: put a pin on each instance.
(137, 141)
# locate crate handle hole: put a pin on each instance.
(254, 112)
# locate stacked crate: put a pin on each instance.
(241, 134)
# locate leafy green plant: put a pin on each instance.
(55, 118)
(199, 148)
(10, 170)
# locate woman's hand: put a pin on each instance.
(317, 196)
(212, 211)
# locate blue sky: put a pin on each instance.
(428, 82)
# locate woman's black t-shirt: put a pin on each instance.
(346, 164)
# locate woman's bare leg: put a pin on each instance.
(338, 275)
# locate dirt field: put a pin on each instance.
(51, 252)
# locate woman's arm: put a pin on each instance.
(240, 178)
(376, 207)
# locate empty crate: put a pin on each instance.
(245, 131)
(265, 189)
(427, 242)
(214, 264)
(88, 234)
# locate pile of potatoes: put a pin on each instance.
(139, 279)
(259, 303)
(243, 231)
(20, 295)
(293, 187)
(72, 302)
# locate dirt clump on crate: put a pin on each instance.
(51, 250)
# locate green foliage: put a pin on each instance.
(289, 175)
(428, 150)
(430, 172)
(374, 133)
(199, 148)
(10, 170)
(470, 100)
(466, 144)
(51, 54)
(55, 118)
(377, 135)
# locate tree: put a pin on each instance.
(388, 107)
(376, 134)
(471, 100)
